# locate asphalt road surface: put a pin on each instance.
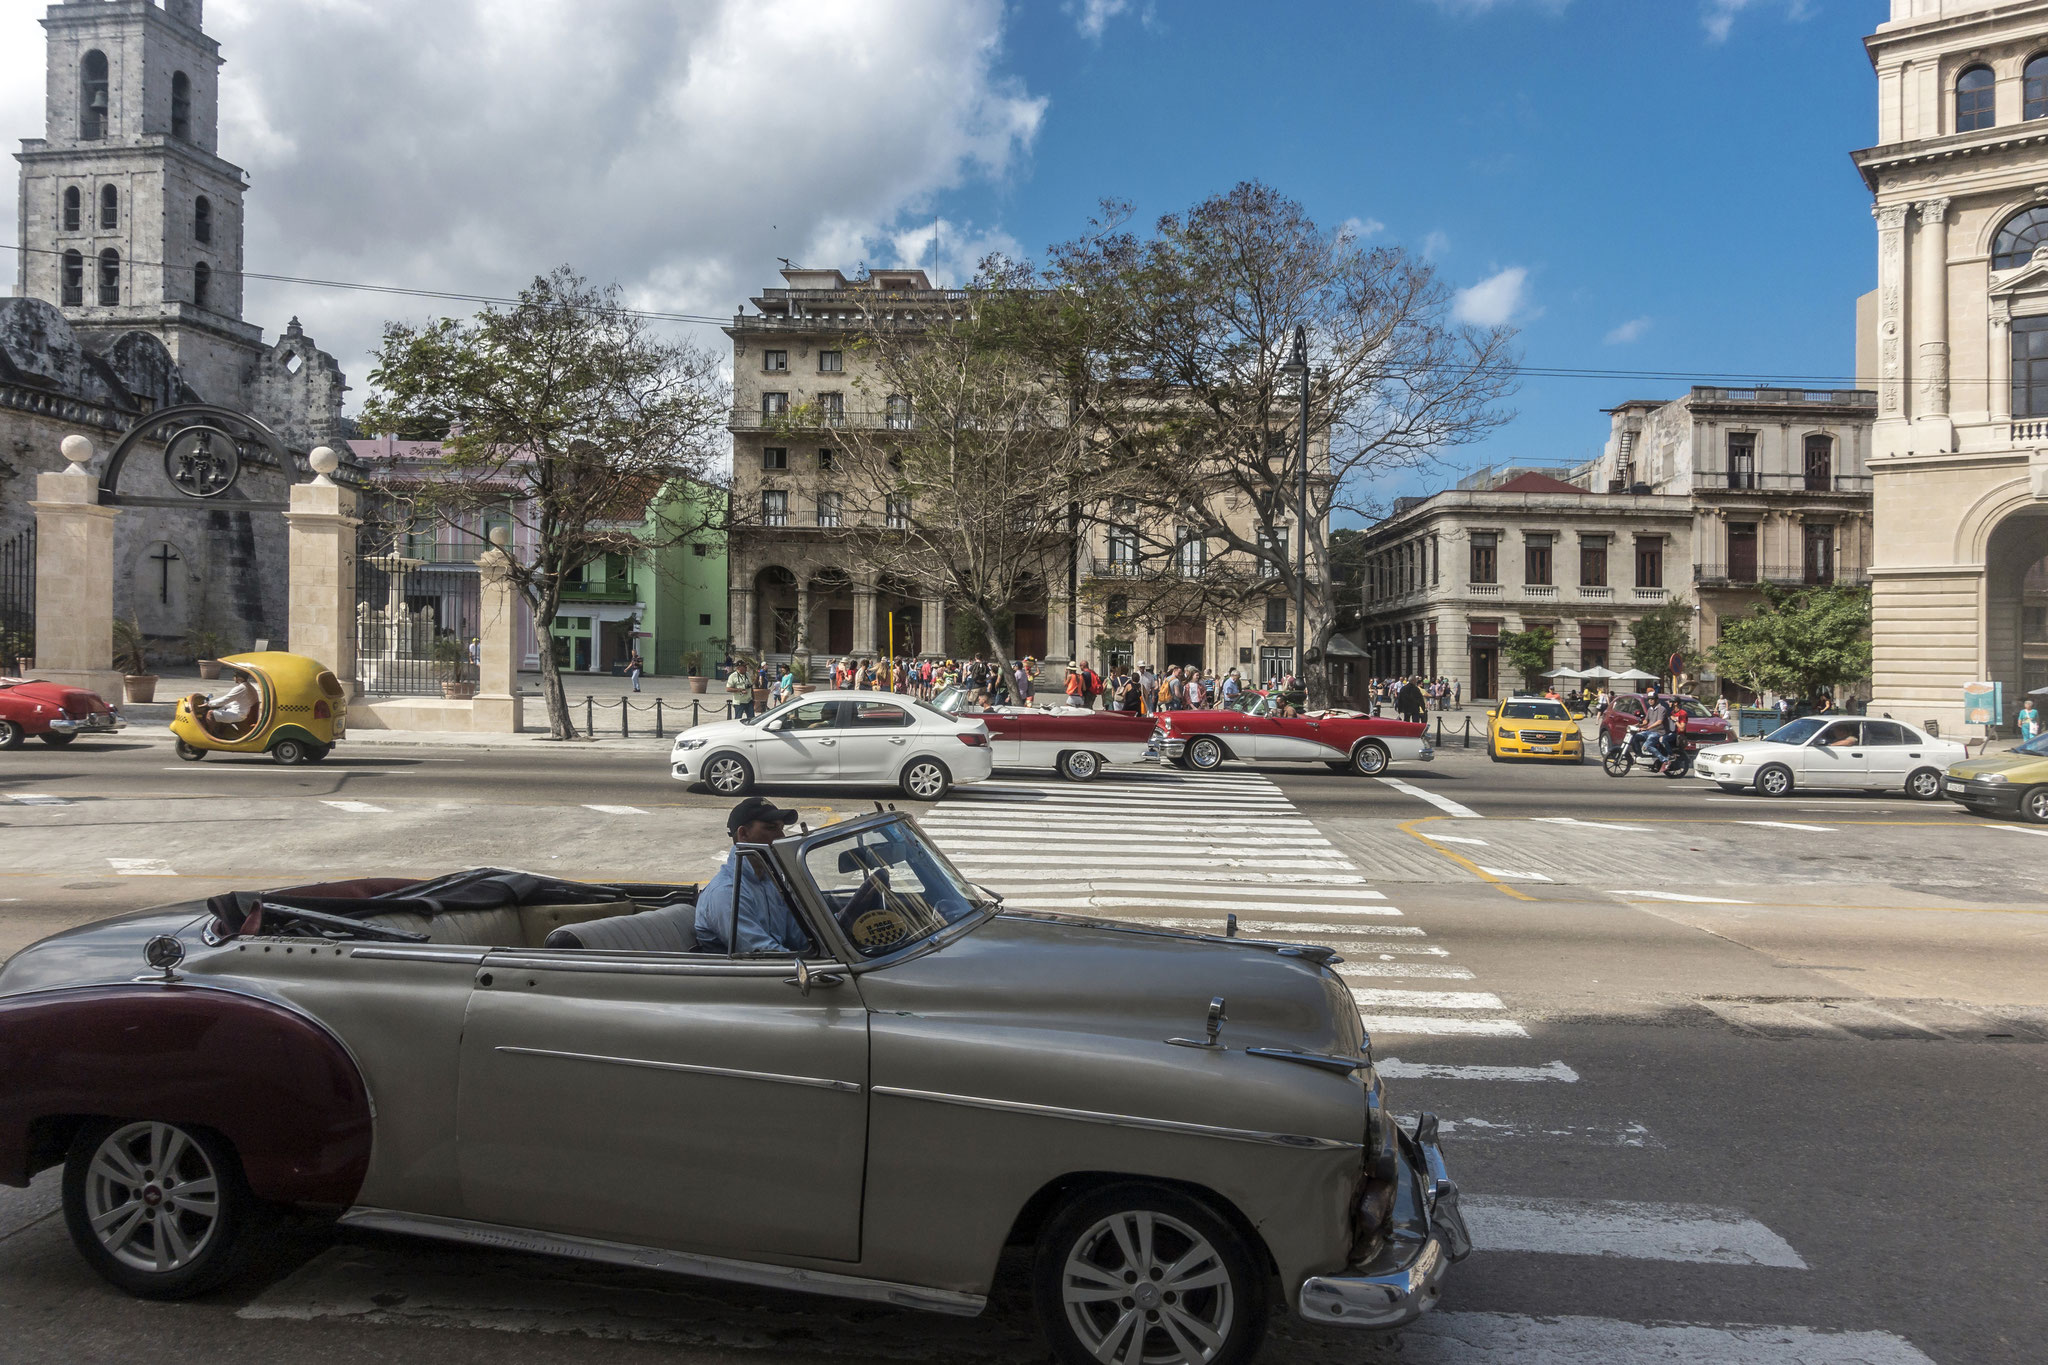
(1725, 1080)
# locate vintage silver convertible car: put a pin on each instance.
(1187, 1131)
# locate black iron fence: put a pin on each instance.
(415, 618)
(658, 714)
(17, 597)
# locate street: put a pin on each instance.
(1723, 1079)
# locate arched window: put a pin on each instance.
(181, 106)
(202, 219)
(2034, 88)
(202, 283)
(1973, 99)
(74, 279)
(2014, 245)
(110, 208)
(110, 278)
(73, 206)
(92, 96)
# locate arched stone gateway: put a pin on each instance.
(2016, 604)
(775, 612)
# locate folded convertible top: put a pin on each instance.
(477, 888)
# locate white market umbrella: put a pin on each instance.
(1598, 671)
(1636, 674)
(1564, 673)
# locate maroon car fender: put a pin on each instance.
(278, 1086)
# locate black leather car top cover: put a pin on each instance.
(477, 888)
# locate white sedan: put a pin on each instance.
(1833, 753)
(853, 738)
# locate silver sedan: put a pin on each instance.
(851, 738)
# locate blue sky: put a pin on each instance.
(1671, 175)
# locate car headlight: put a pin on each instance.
(1732, 760)
(1992, 777)
(683, 744)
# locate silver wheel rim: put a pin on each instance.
(1142, 1288)
(1081, 765)
(1926, 784)
(1371, 758)
(1205, 753)
(924, 780)
(1774, 783)
(725, 775)
(6, 731)
(152, 1197)
(2037, 805)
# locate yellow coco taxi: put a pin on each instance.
(285, 705)
(1533, 727)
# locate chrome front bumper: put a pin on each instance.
(1427, 1238)
(65, 725)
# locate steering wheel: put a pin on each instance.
(866, 897)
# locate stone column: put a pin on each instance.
(863, 622)
(1891, 309)
(740, 602)
(1998, 363)
(1930, 315)
(802, 644)
(322, 562)
(932, 628)
(497, 708)
(75, 577)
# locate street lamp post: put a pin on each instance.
(1298, 365)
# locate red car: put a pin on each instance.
(52, 712)
(1702, 726)
(1073, 742)
(1260, 733)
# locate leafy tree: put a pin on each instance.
(1529, 650)
(572, 416)
(1798, 642)
(1659, 634)
(1170, 347)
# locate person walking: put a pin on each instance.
(1408, 702)
(2029, 722)
(739, 690)
(635, 666)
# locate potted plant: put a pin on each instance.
(207, 646)
(693, 664)
(451, 664)
(131, 656)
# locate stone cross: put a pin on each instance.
(165, 556)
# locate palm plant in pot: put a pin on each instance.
(693, 664)
(207, 646)
(451, 666)
(131, 657)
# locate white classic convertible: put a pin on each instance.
(1834, 754)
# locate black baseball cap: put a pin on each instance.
(757, 808)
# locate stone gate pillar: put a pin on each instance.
(496, 709)
(323, 569)
(75, 577)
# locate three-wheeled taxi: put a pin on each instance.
(285, 705)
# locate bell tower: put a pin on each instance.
(129, 218)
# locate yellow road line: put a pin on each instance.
(1406, 827)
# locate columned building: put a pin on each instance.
(1956, 333)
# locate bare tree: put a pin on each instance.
(1171, 350)
(565, 411)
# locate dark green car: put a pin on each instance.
(2012, 783)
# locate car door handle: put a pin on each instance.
(828, 741)
(1855, 753)
(897, 739)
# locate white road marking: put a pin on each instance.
(1108, 874)
(1445, 1338)
(141, 867)
(1513, 875)
(1171, 858)
(1374, 969)
(1536, 1130)
(1638, 1231)
(1454, 839)
(1316, 897)
(1396, 1069)
(981, 836)
(1202, 926)
(37, 799)
(1586, 824)
(1427, 1000)
(357, 807)
(1261, 907)
(1788, 824)
(2038, 833)
(1442, 803)
(614, 810)
(1035, 825)
(1674, 896)
(1436, 1027)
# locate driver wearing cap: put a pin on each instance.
(766, 922)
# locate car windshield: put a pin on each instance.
(2037, 746)
(1796, 732)
(1692, 707)
(1251, 703)
(951, 700)
(888, 886)
(1534, 710)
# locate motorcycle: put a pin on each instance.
(1620, 757)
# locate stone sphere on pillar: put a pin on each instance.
(78, 450)
(323, 461)
(501, 536)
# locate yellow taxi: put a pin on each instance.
(1533, 727)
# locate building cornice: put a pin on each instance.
(1901, 464)
(1872, 162)
(35, 150)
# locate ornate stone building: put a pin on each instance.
(129, 300)
(1956, 333)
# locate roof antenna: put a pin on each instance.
(785, 263)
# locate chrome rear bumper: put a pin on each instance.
(1427, 1238)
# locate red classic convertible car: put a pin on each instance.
(52, 712)
(1262, 732)
(1071, 740)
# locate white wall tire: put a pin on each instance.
(1080, 765)
(1369, 758)
(1205, 754)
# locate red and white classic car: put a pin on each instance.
(52, 712)
(1263, 732)
(1073, 741)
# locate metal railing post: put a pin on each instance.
(589, 707)
(657, 718)
(625, 726)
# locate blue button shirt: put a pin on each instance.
(767, 924)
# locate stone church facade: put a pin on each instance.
(128, 300)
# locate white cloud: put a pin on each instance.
(1494, 300)
(1718, 16)
(677, 149)
(1362, 229)
(1628, 332)
(1435, 245)
(1091, 17)
(1484, 6)
(960, 248)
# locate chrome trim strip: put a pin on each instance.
(1295, 1140)
(673, 1262)
(397, 954)
(1324, 1061)
(654, 964)
(815, 1082)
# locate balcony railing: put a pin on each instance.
(1593, 594)
(1484, 589)
(2029, 431)
(1841, 398)
(1755, 481)
(810, 417)
(599, 592)
(1652, 594)
(1539, 591)
(1725, 575)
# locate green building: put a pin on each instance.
(669, 599)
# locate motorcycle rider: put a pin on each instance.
(1655, 735)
